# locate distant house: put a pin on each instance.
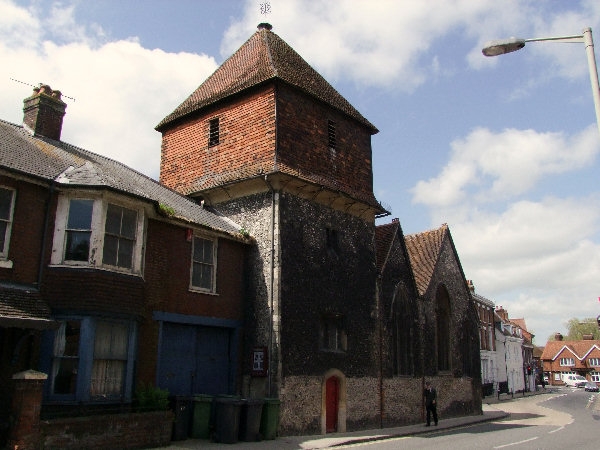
(561, 358)
(529, 368)
(487, 341)
(509, 345)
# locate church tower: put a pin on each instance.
(269, 143)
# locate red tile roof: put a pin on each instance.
(424, 251)
(579, 348)
(265, 56)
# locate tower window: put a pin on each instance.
(213, 132)
(332, 239)
(331, 134)
(333, 333)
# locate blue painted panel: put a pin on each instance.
(177, 365)
(195, 359)
(213, 360)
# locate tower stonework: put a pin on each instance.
(267, 142)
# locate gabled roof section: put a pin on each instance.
(592, 348)
(265, 56)
(481, 299)
(384, 237)
(424, 251)
(67, 165)
(580, 349)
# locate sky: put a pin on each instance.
(505, 150)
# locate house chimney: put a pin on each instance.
(471, 286)
(502, 313)
(588, 337)
(558, 337)
(44, 112)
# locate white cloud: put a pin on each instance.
(502, 165)
(120, 88)
(381, 43)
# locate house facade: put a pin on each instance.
(565, 357)
(106, 275)
(487, 341)
(509, 345)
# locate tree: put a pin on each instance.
(577, 328)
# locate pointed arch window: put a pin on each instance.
(443, 329)
(403, 343)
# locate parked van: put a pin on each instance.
(574, 380)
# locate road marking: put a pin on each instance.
(554, 431)
(516, 443)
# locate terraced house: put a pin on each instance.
(103, 271)
(254, 267)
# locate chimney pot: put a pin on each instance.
(44, 112)
(558, 337)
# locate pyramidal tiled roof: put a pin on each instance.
(264, 56)
(424, 251)
(68, 165)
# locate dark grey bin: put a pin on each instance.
(182, 409)
(250, 417)
(227, 419)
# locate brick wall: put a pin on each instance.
(302, 144)
(166, 288)
(246, 144)
(133, 430)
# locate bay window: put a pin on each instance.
(99, 232)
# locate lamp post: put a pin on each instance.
(500, 47)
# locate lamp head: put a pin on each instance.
(500, 47)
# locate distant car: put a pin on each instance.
(575, 380)
(590, 386)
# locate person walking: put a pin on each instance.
(430, 395)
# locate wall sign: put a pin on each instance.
(260, 362)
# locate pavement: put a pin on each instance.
(491, 406)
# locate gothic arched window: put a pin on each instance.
(442, 314)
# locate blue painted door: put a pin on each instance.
(212, 361)
(195, 359)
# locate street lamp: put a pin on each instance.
(500, 47)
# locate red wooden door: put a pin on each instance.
(332, 392)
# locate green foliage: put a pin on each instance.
(166, 210)
(150, 398)
(244, 232)
(577, 328)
